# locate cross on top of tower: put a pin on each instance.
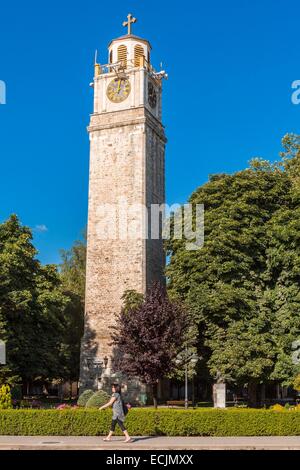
(129, 22)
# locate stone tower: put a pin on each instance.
(127, 177)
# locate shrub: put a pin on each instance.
(25, 404)
(277, 407)
(66, 406)
(63, 406)
(151, 422)
(84, 397)
(16, 393)
(296, 384)
(98, 399)
(5, 398)
(35, 404)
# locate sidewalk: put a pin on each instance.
(149, 443)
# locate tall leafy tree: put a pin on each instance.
(31, 308)
(283, 267)
(73, 268)
(236, 285)
(72, 272)
(148, 337)
(131, 300)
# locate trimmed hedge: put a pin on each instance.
(97, 399)
(84, 397)
(151, 422)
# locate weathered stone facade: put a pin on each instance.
(127, 153)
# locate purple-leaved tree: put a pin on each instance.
(148, 336)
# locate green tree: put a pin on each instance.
(283, 267)
(296, 383)
(236, 285)
(73, 268)
(131, 300)
(5, 398)
(72, 272)
(31, 308)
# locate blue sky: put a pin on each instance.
(230, 63)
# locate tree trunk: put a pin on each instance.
(25, 387)
(154, 393)
(252, 393)
(278, 392)
(193, 392)
(262, 394)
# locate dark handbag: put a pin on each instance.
(125, 408)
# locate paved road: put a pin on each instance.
(149, 443)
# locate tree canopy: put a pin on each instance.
(148, 336)
(243, 284)
(72, 275)
(31, 308)
(41, 309)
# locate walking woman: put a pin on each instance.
(118, 413)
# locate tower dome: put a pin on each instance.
(130, 50)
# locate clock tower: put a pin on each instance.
(127, 178)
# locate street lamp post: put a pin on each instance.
(2, 353)
(193, 360)
(186, 398)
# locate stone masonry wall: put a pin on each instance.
(126, 165)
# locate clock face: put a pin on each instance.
(118, 90)
(152, 96)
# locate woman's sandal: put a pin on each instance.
(106, 440)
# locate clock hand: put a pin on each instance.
(119, 86)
